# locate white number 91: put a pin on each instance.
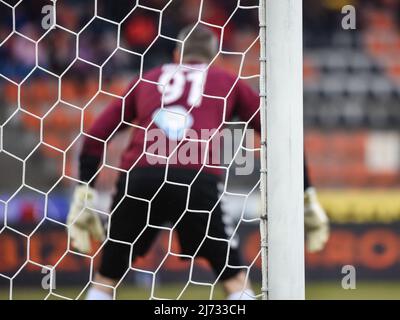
(173, 85)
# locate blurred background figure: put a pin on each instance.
(351, 117)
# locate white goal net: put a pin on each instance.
(63, 62)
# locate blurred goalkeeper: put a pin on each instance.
(172, 99)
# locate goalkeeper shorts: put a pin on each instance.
(152, 200)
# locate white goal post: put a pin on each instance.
(282, 223)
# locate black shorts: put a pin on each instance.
(185, 201)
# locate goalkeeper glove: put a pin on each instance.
(82, 222)
(316, 222)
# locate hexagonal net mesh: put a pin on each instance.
(62, 64)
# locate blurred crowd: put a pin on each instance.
(139, 28)
(322, 17)
(351, 77)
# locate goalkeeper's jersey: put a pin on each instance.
(177, 113)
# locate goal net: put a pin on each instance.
(63, 62)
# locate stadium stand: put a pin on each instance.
(352, 79)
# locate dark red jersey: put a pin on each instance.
(178, 112)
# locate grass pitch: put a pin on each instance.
(376, 290)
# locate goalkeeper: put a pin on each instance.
(153, 191)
